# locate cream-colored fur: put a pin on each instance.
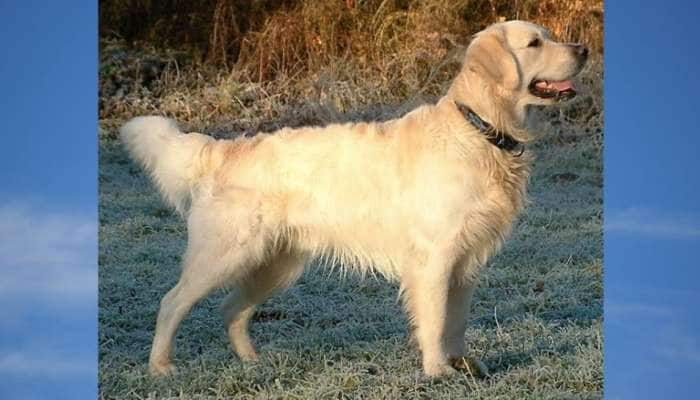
(424, 199)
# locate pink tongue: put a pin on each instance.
(557, 85)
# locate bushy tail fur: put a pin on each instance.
(170, 156)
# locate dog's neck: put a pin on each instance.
(502, 140)
(493, 104)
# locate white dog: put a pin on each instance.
(425, 199)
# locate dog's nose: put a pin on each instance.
(581, 51)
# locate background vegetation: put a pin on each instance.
(228, 67)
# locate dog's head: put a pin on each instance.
(521, 58)
(517, 63)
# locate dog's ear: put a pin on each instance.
(488, 56)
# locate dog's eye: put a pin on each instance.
(534, 43)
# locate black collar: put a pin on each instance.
(499, 139)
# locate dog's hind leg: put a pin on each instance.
(176, 304)
(223, 245)
(281, 272)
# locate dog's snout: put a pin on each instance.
(580, 50)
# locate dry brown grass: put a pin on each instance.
(301, 62)
(294, 33)
(393, 37)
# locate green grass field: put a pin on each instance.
(536, 321)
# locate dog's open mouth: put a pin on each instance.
(558, 90)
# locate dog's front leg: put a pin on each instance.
(458, 305)
(426, 290)
(458, 309)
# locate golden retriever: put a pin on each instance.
(424, 199)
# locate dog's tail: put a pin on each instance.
(171, 157)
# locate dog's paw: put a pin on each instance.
(162, 369)
(248, 357)
(438, 370)
(470, 365)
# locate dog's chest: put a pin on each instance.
(488, 217)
